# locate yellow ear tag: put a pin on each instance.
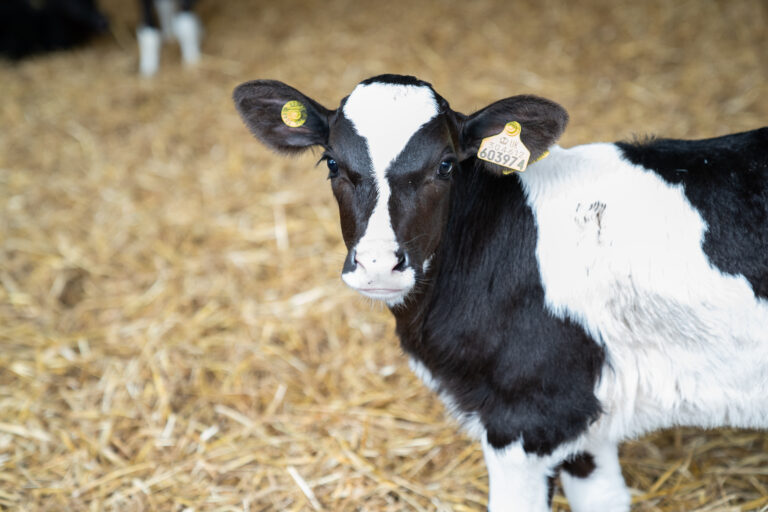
(506, 149)
(294, 114)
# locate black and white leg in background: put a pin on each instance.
(150, 40)
(167, 19)
(188, 31)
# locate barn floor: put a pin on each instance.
(173, 331)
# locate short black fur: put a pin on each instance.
(351, 153)
(484, 332)
(397, 79)
(580, 465)
(726, 180)
(28, 28)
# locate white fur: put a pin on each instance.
(620, 251)
(149, 49)
(517, 480)
(425, 266)
(604, 489)
(189, 32)
(166, 9)
(386, 116)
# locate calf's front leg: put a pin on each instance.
(517, 480)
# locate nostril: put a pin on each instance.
(355, 261)
(350, 262)
(402, 260)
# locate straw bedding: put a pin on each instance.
(174, 334)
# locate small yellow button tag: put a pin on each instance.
(505, 149)
(294, 114)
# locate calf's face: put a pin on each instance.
(392, 149)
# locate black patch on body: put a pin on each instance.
(726, 180)
(482, 328)
(580, 465)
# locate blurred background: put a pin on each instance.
(174, 334)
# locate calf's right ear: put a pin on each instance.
(280, 116)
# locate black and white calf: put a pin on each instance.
(609, 290)
(176, 21)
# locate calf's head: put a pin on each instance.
(393, 149)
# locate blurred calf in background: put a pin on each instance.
(29, 27)
(176, 21)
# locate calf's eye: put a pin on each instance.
(444, 169)
(333, 168)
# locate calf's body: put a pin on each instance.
(585, 308)
(609, 290)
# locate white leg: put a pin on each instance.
(149, 50)
(189, 32)
(166, 9)
(518, 481)
(603, 489)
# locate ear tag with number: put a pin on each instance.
(506, 149)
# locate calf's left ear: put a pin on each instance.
(542, 122)
(280, 116)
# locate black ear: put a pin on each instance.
(542, 122)
(280, 116)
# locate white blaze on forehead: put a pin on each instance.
(386, 116)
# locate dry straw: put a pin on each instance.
(174, 335)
